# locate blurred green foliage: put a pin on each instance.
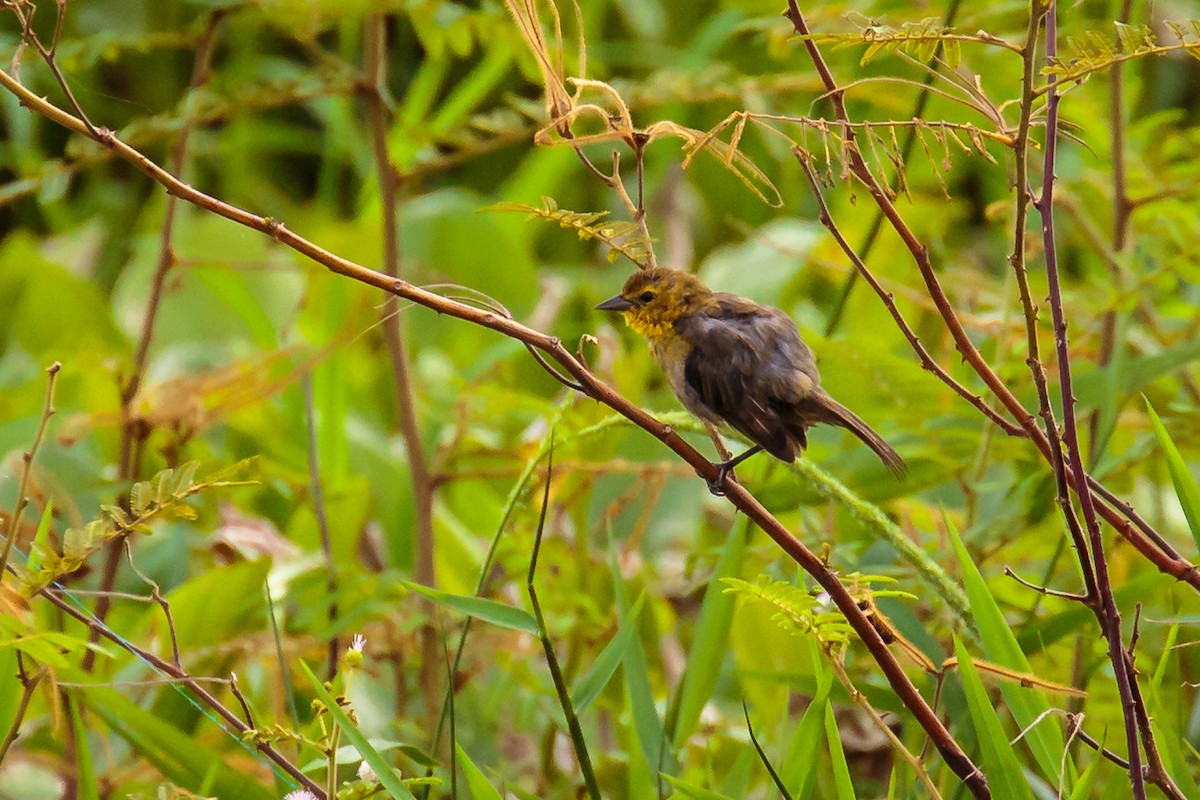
(634, 548)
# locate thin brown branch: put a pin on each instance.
(927, 361)
(29, 684)
(1046, 591)
(910, 139)
(50, 54)
(134, 431)
(1122, 212)
(10, 532)
(1101, 591)
(420, 477)
(1076, 731)
(737, 495)
(156, 597)
(100, 630)
(1016, 260)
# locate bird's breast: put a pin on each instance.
(671, 353)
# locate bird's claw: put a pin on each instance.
(717, 484)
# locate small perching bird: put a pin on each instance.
(730, 360)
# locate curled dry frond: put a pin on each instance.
(610, 112)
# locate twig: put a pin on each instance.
(889, 302)
(1106, 608)
(10, 531)
(578, 742)
(134, 431)
(1122, 212)
(156, 597)
(50, 54)
(910, 139)
(1045, 591)
(101, 630)
(28, 686)
(1075, 723)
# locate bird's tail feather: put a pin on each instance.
(840, 415)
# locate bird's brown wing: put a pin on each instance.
(748, 365)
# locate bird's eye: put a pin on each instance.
(646, 297)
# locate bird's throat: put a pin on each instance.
(651, 326)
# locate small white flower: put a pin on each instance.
(300, 794)
(358, 643)
(365, 773)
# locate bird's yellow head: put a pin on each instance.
(653, 299)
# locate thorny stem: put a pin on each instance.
(1106, 610)
(10, 531)
(1165, 559)
(1016, 260)
(736, 494)
(420, 478)
(927, 361)
(910, 140)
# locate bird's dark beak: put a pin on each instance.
(616, 303)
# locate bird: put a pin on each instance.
(732, 361)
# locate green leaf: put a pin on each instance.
(1083, 789)
(1186, 487)
(799, 768)
(383, 770)
(84, 762)
(1000, 762)
(602, 669)
(841, 770)
(179, 756)
(477, 782)
(711, 645)
(502, 614)
(1000, 645)
(692, 790)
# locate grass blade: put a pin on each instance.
(711, 644)
(477, 782)
(841, 770)
(502, 614)
(1001, 647)
(1000, 761)
(602, 669)
(383, 770)
(1186, 486)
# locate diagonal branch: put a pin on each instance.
(736, 494)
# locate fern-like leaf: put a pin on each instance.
(161, 497)
(622, 238)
